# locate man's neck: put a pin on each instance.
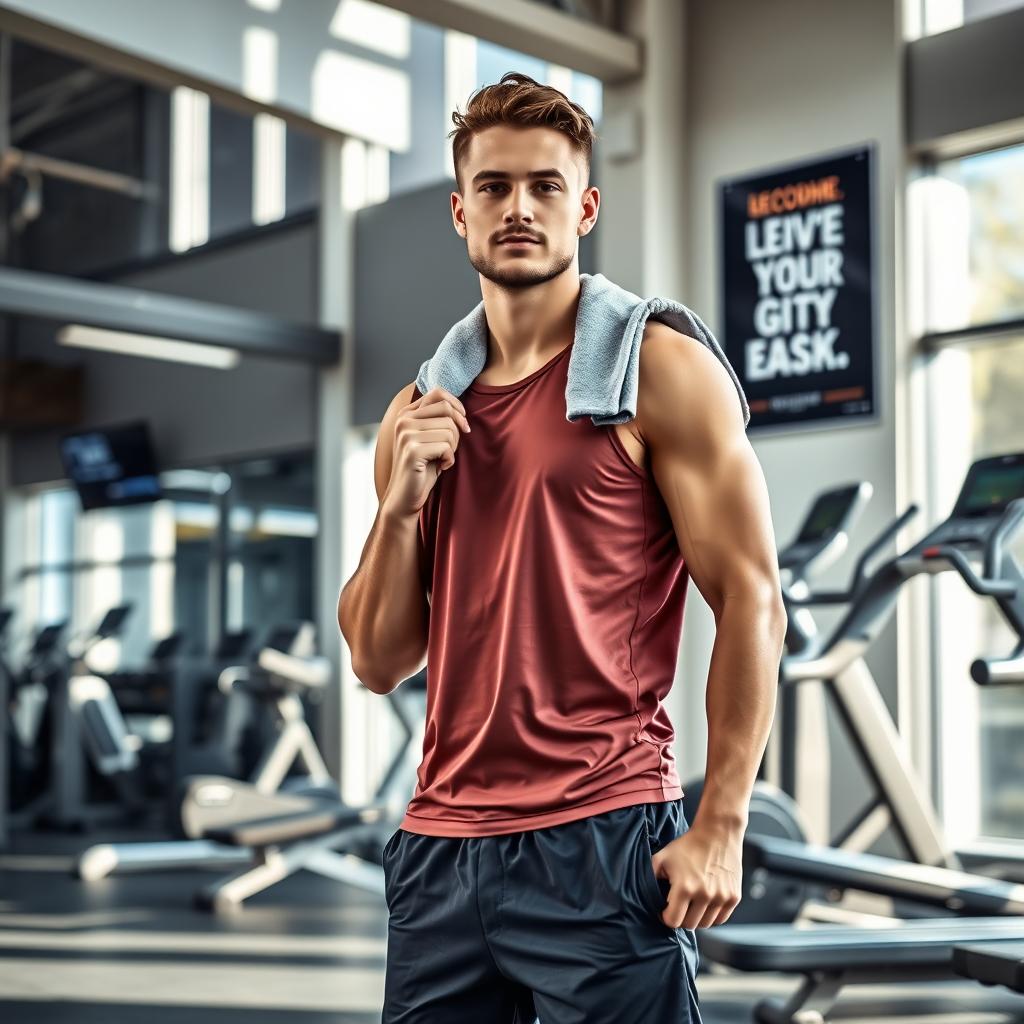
(527, 326)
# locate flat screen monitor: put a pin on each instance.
(990, 486)
(111, 466)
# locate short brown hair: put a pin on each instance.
(520, 101)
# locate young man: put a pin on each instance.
(543, 866)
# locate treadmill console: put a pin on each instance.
(47, 637)
(990, 486)
(832, 513)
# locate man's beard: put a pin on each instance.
(514, 275)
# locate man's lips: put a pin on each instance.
(519, 241)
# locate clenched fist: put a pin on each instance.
(427, 433)
(704, 869)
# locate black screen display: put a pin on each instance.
(112, 466)
(991, 485)
(827, 514)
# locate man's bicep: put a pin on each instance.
(722, 519)
(705, 468)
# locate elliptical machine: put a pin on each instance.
(70, 742)
(29, 712)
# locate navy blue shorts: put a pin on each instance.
(561, 924)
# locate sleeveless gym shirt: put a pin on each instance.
(556, 604)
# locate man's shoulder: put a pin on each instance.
(683, 386)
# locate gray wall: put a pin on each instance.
(828, 77)
(198, 415)
(413, 281)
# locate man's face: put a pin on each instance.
(503, 195)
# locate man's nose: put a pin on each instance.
(519, 206)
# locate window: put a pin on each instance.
(972, 240)
(163, 557)
(231, 171)
(929, 17)
(967, 225)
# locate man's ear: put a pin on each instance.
(590, 210)
(458, 215)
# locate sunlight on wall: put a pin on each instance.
(362, 98)
(268, 169)
(259, 81)
(942, 15)
(365, 174)
(459, 83)
(371, 25)
(190, 169)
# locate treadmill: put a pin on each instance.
(988, 513)
(995, 963)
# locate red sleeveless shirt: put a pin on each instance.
(556, 590)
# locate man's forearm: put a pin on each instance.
(741, 694)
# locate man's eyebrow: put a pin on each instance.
(551, 172)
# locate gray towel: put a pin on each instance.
(605, 359)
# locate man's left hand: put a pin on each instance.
(704, 868)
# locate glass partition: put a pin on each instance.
(228, 546)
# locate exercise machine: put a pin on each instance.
(822, 538)
(6, 677)
(987, 515)
(283, 673)
(68, 780)
(992, 962)
(28, 714)
(330, 838)
(85, 715)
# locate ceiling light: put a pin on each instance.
(125, 343)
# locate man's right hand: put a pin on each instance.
(427, 434)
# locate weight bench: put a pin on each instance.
(992, 963)
(832, 957)
(288, 843)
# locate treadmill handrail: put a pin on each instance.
(860, 574)
(1008, 523)
(956, 558)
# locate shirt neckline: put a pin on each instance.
(493, 389)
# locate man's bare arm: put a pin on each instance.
(382, 610)
(712, 484)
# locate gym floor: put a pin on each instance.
(131, 950)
